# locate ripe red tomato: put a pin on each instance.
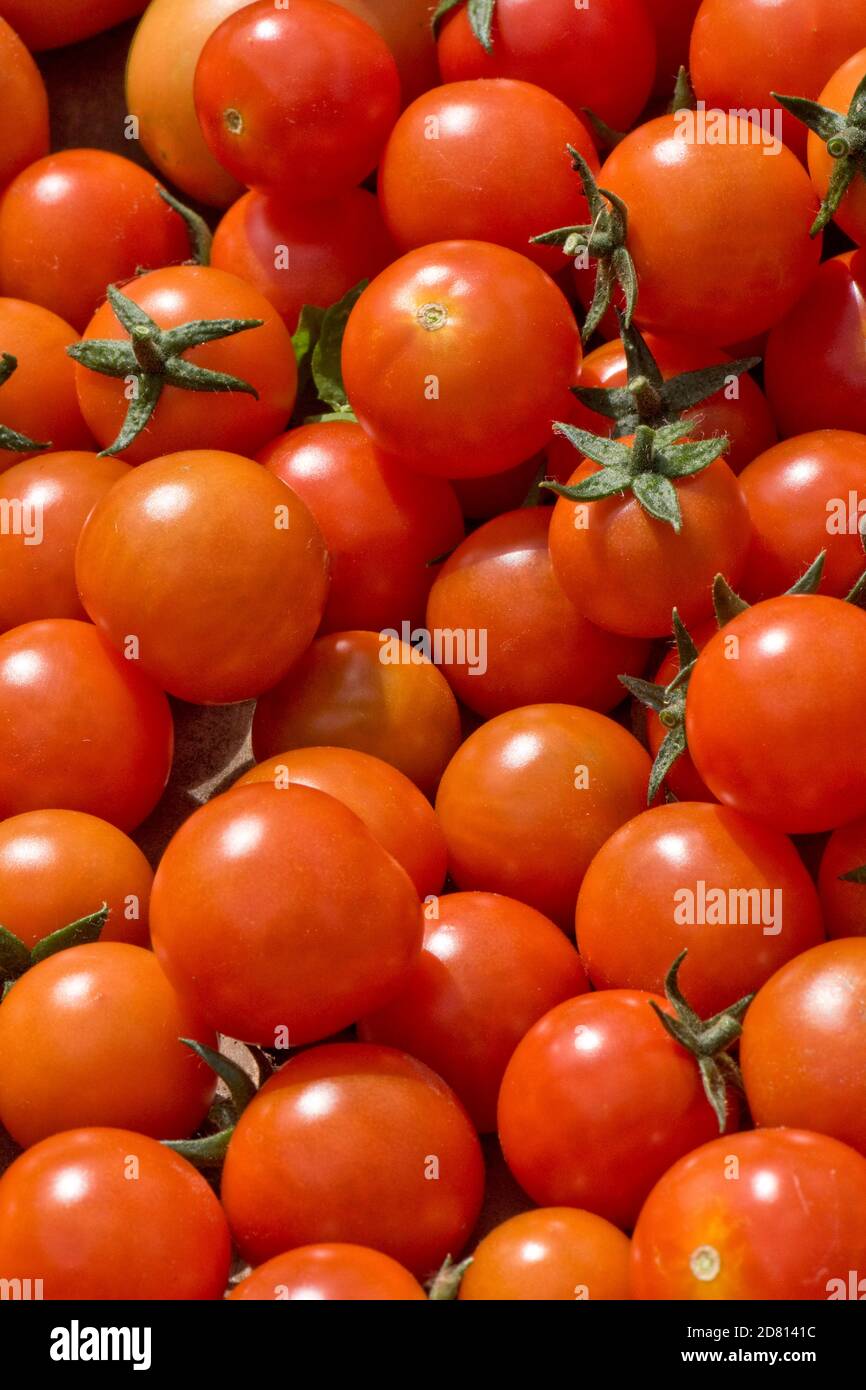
(383, 525)
(53, 494)
(126, 1067)
(316, 923)
(214, 567)
(312, 254)
(458, 356)
(531, 796)
(485, 161)
(489, 969)
(537, 647)
(300, 98)
(682, 779)
(843, 902)
(554, 1253)
(83, 730)
(66, 21)
(391, 807)
(358, 690)
(773, 716)
(109, 1214)
(699, 274)
(352, 1142)
(325, 1273)
(407, 28)
(600, 55)
(732, 892)
(597, 1102)
(234, 421)
(23, 107)
(59, 866)
(836, 96)
(774, 1214)
(39, 399)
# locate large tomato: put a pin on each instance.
(109, 1214)
(328, 1273)
(843, 900)
(23, 107)
(554, 1253)
(38, 399)
(352, 1142)
(66, 21)
(458, 356)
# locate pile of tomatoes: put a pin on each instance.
(485, 406)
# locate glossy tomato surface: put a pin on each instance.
(23, 106)
(552, 1254)
(329, 1273)
(843, 902)
(39, 398)
(66, 21)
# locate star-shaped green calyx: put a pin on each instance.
(479, 13)
(845, 138)
(10, 439)
(153, 358)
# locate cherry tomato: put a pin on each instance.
(53, 495)
(597, 1102)
(672, 22)
(485, 161)
(59, 866)
(836, 96)
(109, 1214)
(360, 690)
(458, 356)
(531, 796)
(83, 730)
(126, 1068)
(554, 1253)
(489, 969)
(351, 1142)
(600, 55)
(732, 892)
(773, 715)
(312, 254)
(38, 399)
(78, 220)
(682, 779)
(66, 21)
(843, 902)
(383, 525)
(300, 99)
(687, 197)
(391, 807)
(232, 421)
(407, 28)
(537, 647)
(23, 107)
(276, 909)
(775, 1214)
(325, 1273)
(217, 569)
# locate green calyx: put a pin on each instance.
(16, 958)
(602, 239)
(153, 358)
(479, 13)
(11, 439)
(445, 1284)
(683, 98)
(647, 469)
(318, 344)
(200, 238)
(845, 138)
(209, 1149)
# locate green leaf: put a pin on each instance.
(855, 875)
(190, 377)
(189, 335)
(304, 339)
(687, 652)
(683, 98)
(638, 357)
(326, 362)
(202, 1153)
(690, 388)
(199, 232)
(480, 13)
(445, 1285)
(810, 581)
(605, 483)
(442, 9)
(684, 460)
(658, 496)
(141, 407)
(820, 119)
(726, 603)
(650, 694)
(8, 365)
(615, 403)
(672, 747)
(241, 1087)
(607, 137)
(109, 356)
(81, 933)
(128, 313)
(14, 955)
(608, 452)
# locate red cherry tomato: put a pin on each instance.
(328, 1273)
(836, 96)
(23, 107)
(352, 1142)
(554, 1253)
(39, 399)
(66, 21)
(407, 28)
(843, 902)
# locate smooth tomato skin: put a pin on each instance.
(59, 866)
(96, 1227)
(233, 421)
(489, 969)
(798, 495)
(600, 56)
(436, 362)
(551, 1254)
(801, 1051)
(82, 729)
(316, 923)
(352, 690)
(794, 1220)
(313, 254)
(851, 212)
(538, 647)
(843, 904)
(37, 580)
(298, 1172)
(39, 398)
(626, 571)
(407, 28)
(127, 1068)
(216, 567)
(66, 21)
(531, 796)
(497, 169)
(391, 807)
(777, 732)
(698, 274)
(671, 848)
(23, 107)
(383, 525)
(54, 249)
(301, 99)
(566, 1149)
(329, 1272)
